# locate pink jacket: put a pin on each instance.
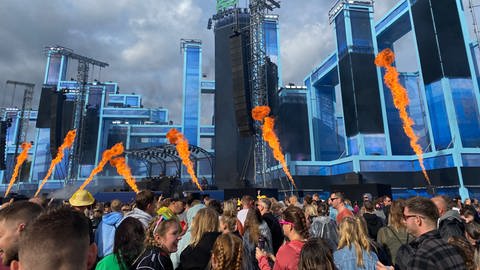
(287, 257)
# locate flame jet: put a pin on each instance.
(400, 99)
(181, 144)
(122, 168)
(20, 160)
(260, 113)
(107, 155)
(67, 143)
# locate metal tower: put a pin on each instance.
(23, 119)
(78, 123)
(258, 9)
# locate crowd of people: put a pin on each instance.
(197, 232)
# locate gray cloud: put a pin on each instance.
(141, 41)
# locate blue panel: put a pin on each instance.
(132, 101)
(352, 145)
(471, 160)
(341, 34)
(386, 166)
(328, 64)
(342, 168)
(361, 32)
(192, 94)
(141, 113)
(390, 17)
(438, 115)
(374, 144)
(42, 154)
(466, 110)
(270, 34)
(53, 73)
(437, 162)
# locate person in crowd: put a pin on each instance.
(429, 250)
(450, 222)
(310, 212)
(14, 217)
(126, 208)
(324, 227)
(307, 200)
(57, 239)
(316, 255)
(174, 206)
(105, 233)
(129, 238)
(247, 203)
(228, 220)
(204, 232)
(81, 201)
(161, 239)
(256, 234)
(469, 214)
(316, 197)
(374, 222)
(96, 216)
(264, 206)
(144, 207)
(194, 204)
(472, 233)
(354, 249)
(387, 203)
(465, 249)
(293, 200)
(336, 200)
(395, 234)
(367, 197)
(215, 205)
(106, 208)
(295, 228)
(227, 253)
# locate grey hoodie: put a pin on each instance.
(451, 224)
(141, 215)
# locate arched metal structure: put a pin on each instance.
(167, 153)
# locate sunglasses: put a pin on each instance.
(284, 222)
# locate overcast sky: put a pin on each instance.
(140, 39)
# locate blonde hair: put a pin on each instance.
(229, 221)
(310, 210)
(396, 214)
(230, 208)
(206, 220)
(352, 233)
(228, 252)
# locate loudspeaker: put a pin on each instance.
(56, 105)
(3, 142)
(90, 135)
(354, 192)
(272, 85)
(241, 87)
(43, 117)
(67, 116)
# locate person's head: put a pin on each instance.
(115, 206)
(336, 200)
(307, 199)
(230, 208)
(387, 200)
(316, 254)
(177, 206)
(81, 200)
(315, 197)
(227, 252)
(247, 202)
(294, 223)
(367, 197)
(57, 239)
(126, 208)
(420, 215)
(264, 206)
(469, 214)
(163, 232)
(465, 249)
(128, 242)
(310, 212)
(193, 199)
(323, 209)
(252, 225)
(227, 223)
(206, 220)
(145, 201)
(107, 207)
(395, 218)
(369, 206)
(215, 205)
(352, 233)
(293, 200)
(13, 220)
(443, 204)
(472, 233)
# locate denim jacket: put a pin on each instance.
(346, 259)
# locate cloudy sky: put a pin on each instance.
(140, 39)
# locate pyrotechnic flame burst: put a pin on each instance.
(400, 99)
(20, 160)
(260, 113)
(67, 143)
(107, 155)
(181, 144)
(122, 168)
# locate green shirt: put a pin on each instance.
(110, 262)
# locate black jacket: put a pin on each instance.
(198, 257)
(275, 229)
(374, 223)
(451, 224)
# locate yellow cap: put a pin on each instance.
(81, 198)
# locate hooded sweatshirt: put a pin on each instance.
(105, 233)
(374, 223)
(141, 215)
(451, 224)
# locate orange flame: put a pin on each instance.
(181, 144)
(67, 143)
(400, 99)
(260, 112)
(122, 168)
(107, 155)
(20, 160)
